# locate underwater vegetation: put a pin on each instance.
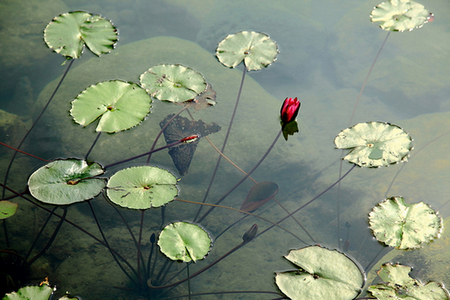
(166, 226)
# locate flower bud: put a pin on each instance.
(289, 110)
(250, 234)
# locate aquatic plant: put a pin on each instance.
(150, 189)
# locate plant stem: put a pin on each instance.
(237, 167)
(224, 144)
(188, 281)
(109, 248)
(34, 124)
(73, 224)
(52, 238)
(244, 178)
(338, 202)
(244, 212)
(23, 152)
(144, 154)
(310, 201)
(92, 146)
(40, 232)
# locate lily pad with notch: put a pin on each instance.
(399, 285)
(179, 128)
(66, 181)
(259, 195)
(256, 49)
(374, 144)
(323, 274)
(117, 104)
(404, 226)
(174, 83)
(184, 241)
(142, 187)
(69, 32)
(400, 15)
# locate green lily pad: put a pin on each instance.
(42, 292)
(184, 241)
(404, 226)
(7, 209)
(256, 49)
(119, 105)
(66, 181)
(174, 83)
(374, 144)
(69, 32)
(142, 187)
(400, 15)
(399, 285)
(322, 274)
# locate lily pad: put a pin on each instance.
(174, 83)
(42, 292)
(142, 187)
(322, 274)
(184, 241)
(119, 105)
(374, 144)
(256, 49)
(400, 15)
(399, 285)
(66, 181)
(69, 32)
(7, 209)
(404, 226)
(259, 195)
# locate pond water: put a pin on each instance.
(326, 51)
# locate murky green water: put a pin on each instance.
(326, 50)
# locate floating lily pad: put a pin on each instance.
(184, 241)
(174, 83)
(256, 49)
(400, 15)
(42, 292)
(399, 285)
(69, 32)
(142, 187)
(66, 181)
(7, 209)
(119, 105)
(404, 226)
(374, 144)
(259, 195)
(322, 274)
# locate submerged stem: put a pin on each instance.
(34, 124)
(223, 145)
(244, 178)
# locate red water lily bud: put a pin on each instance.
(289, 110)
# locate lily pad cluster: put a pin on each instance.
(404, 226)
(69, 32)
(400, 15)
(322, 274)
(399, 285)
